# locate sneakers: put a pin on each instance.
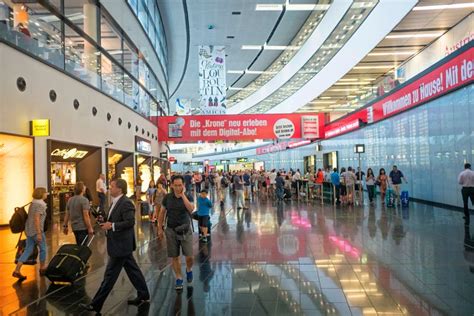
(189, 275)
(179, 285)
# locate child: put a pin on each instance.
(204, 208)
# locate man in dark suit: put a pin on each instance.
(120, 246)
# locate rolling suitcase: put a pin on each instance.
(404, 197)
(390, 198)
(144, 209)
(69, 263)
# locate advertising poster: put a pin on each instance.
(242, 127)
(212, 80)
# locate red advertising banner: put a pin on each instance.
(281, 146)
(241, 127)
(454, 73)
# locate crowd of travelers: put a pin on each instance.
(172, 208)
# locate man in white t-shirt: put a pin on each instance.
(101, 191)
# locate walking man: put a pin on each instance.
(77, 210)
(466, 180)
(121, 244)
(178, 208)
(396, 177)
(101, 191)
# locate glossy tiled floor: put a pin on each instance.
(292, 258)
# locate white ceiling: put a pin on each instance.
(251, 27)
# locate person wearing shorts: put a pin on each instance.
(203, 212)
(179, 238)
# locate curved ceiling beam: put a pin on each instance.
(188, 41)
(386, 15)
(330, 20)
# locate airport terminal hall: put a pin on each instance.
(237, 157)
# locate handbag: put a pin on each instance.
(21, 246)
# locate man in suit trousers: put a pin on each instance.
(120, 246)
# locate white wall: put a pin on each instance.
(458, 36)
(67, 124)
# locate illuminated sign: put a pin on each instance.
(359, 149)
(39, 127)
(72, 153)
(242, 159)
(142, 145)
(224, 162)
(350, 126)
(164, 154)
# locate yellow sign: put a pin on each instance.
(39, 128)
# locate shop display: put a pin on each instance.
(16, 171)
(112, 162)
(63, 178)
(128, 176)
(145, 172)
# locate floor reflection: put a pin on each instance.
(288, 258)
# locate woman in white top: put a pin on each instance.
(34, 231)
(370, 183)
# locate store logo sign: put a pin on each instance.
(69, 153)
(142, 145)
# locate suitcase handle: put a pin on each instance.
(90, 241)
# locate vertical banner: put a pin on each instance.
(212, 79)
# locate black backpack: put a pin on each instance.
(224, 182)
(18, 220)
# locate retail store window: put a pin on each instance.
(82, 58)
(33, 28)
(110, 39)
(84, 14)
(112, 79)
(16, 171)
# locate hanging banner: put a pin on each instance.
(212, 79)
(240, 127)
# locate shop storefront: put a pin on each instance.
(160, 166)
(16, 173)
(143, 163)
(330, 160)
(241, 166)
(69, 163)
(120, 165)
(310, 163)
(259, 166)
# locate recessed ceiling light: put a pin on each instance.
(415, 35)
(344, 89)
(445, 6)
(392, 53)
(252, 47)
(321, 102)
(307, 7)
(268, 7)
(375, 67)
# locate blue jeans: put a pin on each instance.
(30, 243)
(279, 193)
